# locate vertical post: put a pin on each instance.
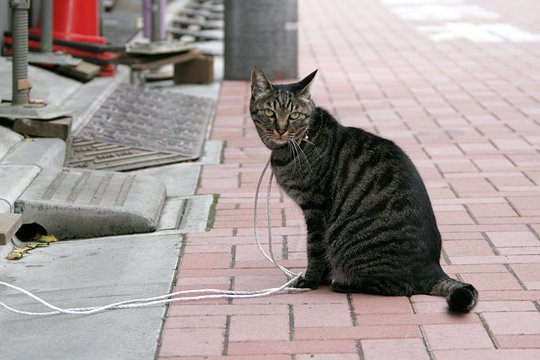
(157, 20)
(19, 25)
(264, 33)
(154, 19)
(46, 39)
(147, 18)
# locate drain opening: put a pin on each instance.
(31, 232)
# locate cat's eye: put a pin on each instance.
(268, 113)
(294, 115)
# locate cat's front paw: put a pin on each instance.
(303, 283)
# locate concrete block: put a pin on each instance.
(58, 128)
(43, 152)
(73, 203)
(5, 207)
(172, 213)
(8, 139)
(14, 179)
(198, 214)
(212, 153)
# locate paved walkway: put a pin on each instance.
(467, 111)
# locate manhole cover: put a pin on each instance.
(149, 123)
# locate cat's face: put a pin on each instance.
(281, 113)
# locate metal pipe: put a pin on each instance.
(46, 40)
(147, 18)
(156, 20)
(19, 25)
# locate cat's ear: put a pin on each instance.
(260, 86)
(305, 84)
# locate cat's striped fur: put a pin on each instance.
(371, 227)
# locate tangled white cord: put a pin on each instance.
(170, 298)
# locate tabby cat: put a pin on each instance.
(370, 223)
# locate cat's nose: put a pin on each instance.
(281, 131)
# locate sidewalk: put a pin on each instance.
(466, 110)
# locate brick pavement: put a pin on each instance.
(468, 114)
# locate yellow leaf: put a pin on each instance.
(16, 253)
(47, 239)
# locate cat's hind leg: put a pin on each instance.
(377, 286)
(357, 287)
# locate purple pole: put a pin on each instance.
(154, 9)
(162, 29)
(147, 18)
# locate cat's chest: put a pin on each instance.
(298, 177)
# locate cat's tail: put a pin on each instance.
(461, 297)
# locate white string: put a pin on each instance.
(289, 274)
(144, 302)
(170, 298)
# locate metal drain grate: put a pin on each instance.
(98, 155)
(138, 127)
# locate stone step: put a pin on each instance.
(72, 203)
(43, 152)
(14, 179)
(8, 139)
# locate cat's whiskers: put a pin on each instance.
(312, 144)
(293, 152)
(300, 151)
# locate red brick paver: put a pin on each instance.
(468, 114)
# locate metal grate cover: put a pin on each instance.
(139, 127)
(98, 155)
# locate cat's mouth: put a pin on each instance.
(280, 141)
(279, 138)
(276, 140)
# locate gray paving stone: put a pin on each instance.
(89, 273)
(172, 213)
(8, 139)
(73, 203)
(179, 179)
(182, 179)
(5, 207)
(43, 152)
(14, 179)
(213, 153)
(198, 214)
